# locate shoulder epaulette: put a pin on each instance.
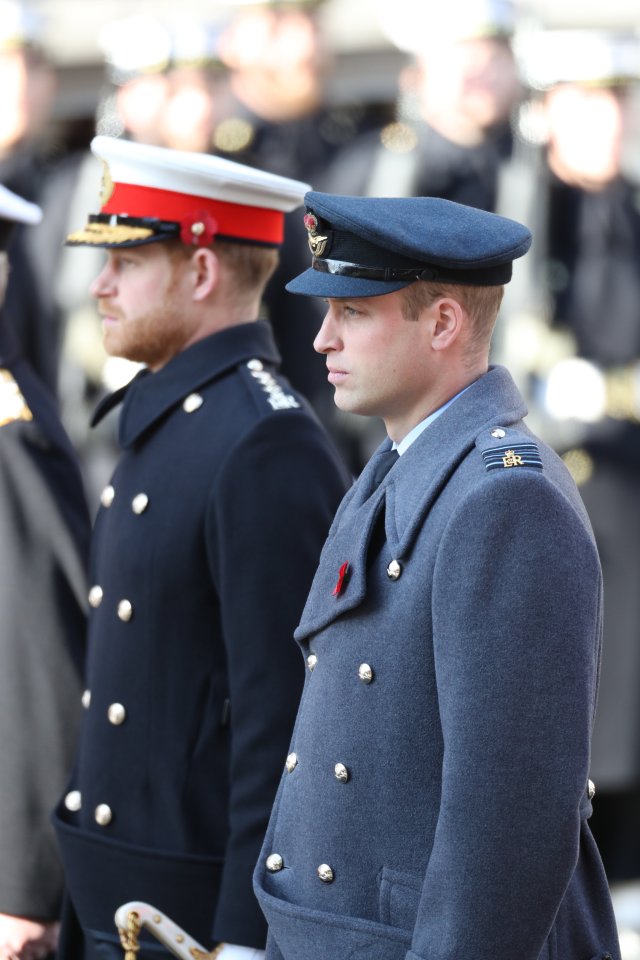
(505, 449)
(276, 396)
(13, 405)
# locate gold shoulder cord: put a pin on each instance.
(131, 944)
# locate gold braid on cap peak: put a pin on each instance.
(109, 233)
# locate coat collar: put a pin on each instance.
(406, 494)
(150, 395)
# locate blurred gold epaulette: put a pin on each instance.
(13, 405)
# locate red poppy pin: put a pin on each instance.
(198, 230)
(343, 576)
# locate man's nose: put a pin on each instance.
(326, 337)
(103, 284)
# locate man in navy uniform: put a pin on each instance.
(44, 538)
(436, 797)
(203, 552)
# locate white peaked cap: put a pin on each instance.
(191, 195)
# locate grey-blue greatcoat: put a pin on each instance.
(456, 826)
(44, 541)
(202, 556)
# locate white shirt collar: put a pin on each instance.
(413, 435)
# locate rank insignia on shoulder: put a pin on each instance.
(276, 396)
(13, 405)
(518, 455)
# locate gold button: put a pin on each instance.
(591, 789)
(103, 814)
(341, 772)
(311, 661)
(365, 673)
(498, 433)
(292, 762)
(95, 596)
(125, 610)
(325, 873)
(107, 495)
(117, 714)
(255, 365)
(274, 863)
(192, 403)
(86, 699)
(73, 801)
(394, 570)
(140, 503)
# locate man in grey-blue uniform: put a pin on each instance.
(435, 800)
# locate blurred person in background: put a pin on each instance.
(456, 99)
(570, 330)
(28, 85)
(44, 532)
(279, 118)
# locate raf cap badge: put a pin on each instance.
(317, 243)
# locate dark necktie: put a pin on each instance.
(385, 461)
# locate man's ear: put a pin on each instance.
(206, 273)
(448, 321)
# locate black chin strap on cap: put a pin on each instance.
(482, 277)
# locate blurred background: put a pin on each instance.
(530, 109)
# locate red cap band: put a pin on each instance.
(233, 219)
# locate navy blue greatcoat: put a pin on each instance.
(435, 799)
(203, 553)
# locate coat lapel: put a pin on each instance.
(405, 496)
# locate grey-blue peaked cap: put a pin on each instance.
(368, 246)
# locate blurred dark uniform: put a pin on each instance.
(44, 532)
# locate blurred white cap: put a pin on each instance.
(594, 57)
(411, 26)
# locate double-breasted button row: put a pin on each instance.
(103, 814)
(341, 771)
(275, 864)
(141, 500)
(125, 607)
